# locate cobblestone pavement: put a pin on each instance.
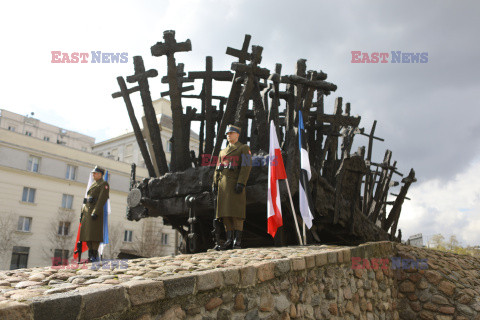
(22, 284)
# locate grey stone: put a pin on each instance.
(282, 267)
(57, 306)
(15, 310)
(424, 295)
(407, 314)
(367, 285)
(330, 295)
(382, 286)
(332, 257)
(466, 310)
(315, 300)
(231, 276)
(179, 286)
(224, 314)
(99, 302)
(252, 315)
(281, 303)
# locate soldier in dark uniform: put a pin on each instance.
(229, 180)
(92, 213)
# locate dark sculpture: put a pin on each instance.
(349, 191)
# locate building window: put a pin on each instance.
(28, 195)
(19, 257)
(67, 201)
(127, 237)
(60, 257)
(28, 133)
(71, 172)
(164, 238)
(11, 128)
(33, 163)
(46, 138)
(169, 146)
(63, 228)
(24, 224)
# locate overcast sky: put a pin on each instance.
(428, 113)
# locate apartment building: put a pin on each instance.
(42, 186)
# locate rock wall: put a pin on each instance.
(314, 282)
(448, 289)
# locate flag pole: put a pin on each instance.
(293, 213)
(304, 233)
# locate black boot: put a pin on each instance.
(237, 242)
(95, 256)
(229, 243)
(90, 255)
(216, 232)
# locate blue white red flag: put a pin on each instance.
(305, 175)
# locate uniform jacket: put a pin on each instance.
(92, 230)
(230, 203)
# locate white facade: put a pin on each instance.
(416, 240)
(32, 127)
(125, 147)
(42, 186)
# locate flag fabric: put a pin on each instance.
(84, 244)
(106, 213)
(276, 171)
(305, 176)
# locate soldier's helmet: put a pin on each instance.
(99, 169)
(232, 128)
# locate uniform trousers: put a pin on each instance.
(93, 245)
(232, 223)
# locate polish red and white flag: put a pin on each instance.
(276, 171)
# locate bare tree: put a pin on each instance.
(149, 244)
(61, 237)
(8, 236)
(453, 243)
(112, 249)
(437, 241)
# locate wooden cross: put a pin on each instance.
(208, 76)
(228, 115)
(181, 80)
(392, 220)
(125, 94)
(141, 76)
(180, 159)
(251, 71)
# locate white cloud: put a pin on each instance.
(447, 207)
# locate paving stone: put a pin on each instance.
(98, 302)
(58, 306)
(13, 310)
(298, 264)
(179, 286)
(208, 280)
(231, 276)
(144, 291)
(265, 271)
(248, 276)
